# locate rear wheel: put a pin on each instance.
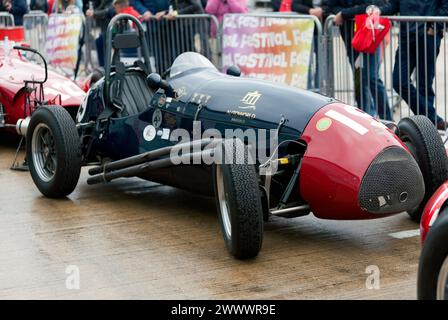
(239, 207)
(426, 146)
(53, 151)
(433, 268)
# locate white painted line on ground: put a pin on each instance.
(405, 234)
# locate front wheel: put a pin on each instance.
(240, 209)
(53, 151)
(432, 281)
(426, 146)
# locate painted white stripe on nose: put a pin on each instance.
(352, 124)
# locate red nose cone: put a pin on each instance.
(343, 142)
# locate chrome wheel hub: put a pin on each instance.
(43, 151)
(223, 203)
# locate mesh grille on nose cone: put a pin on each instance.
(393, 183)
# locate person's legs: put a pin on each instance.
(365, 75)
(426, 73)
(380, 100)
(100, 49)
(405, 62)
(360, 74)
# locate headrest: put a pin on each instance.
(126, 41)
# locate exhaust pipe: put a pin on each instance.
(131, 171)
(22, 126)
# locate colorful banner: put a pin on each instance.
(275, 49)
(62, 40)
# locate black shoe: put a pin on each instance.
(442, 125)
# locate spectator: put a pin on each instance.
(317, 8)
(41, 5)
(16, 7)
(275, 4)
(103, 11)
(190, 28)
(122, 6)
(185, 7)
(320, 10)
(219, 8)
(412, 46)
(155, 9)
(52, 4)
(72, 6)
(149, 8)
(370, 93)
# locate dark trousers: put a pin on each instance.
(100, 49)
(416, 54)
(370, 94)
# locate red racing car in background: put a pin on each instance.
(25, 85)
(433, 267)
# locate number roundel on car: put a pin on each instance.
(149, 133)
(323, 124)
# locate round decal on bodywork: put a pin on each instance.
(157, 118)
(323, 124)
(162, 100)
(149, 133)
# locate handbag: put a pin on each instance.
(370, 30)
(285, 6)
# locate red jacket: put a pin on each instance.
(131, 11)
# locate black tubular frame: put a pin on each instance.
(108, 62)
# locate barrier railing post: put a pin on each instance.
(35, 24)
(6, 19)
(401, 78)
(327, 83)
(169, 38)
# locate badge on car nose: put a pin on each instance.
(323, 124)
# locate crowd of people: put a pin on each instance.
(103, 10)
(370, 93)
(416, 40)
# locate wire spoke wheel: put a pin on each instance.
(43, 152)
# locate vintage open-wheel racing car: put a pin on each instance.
(25, 85)
(329, 158)
(433, 267)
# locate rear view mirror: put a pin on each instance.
(234, 71)
(155, 82)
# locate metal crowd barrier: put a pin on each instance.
(379, 84)
(89, 59)
(6, 19)
(192, 32)
(35, 24)
(407, 75)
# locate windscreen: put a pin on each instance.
(188, 61)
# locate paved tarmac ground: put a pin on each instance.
(139, 240)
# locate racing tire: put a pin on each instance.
(432, 280)
(426, 146)
(53, 151)
(239, 205)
